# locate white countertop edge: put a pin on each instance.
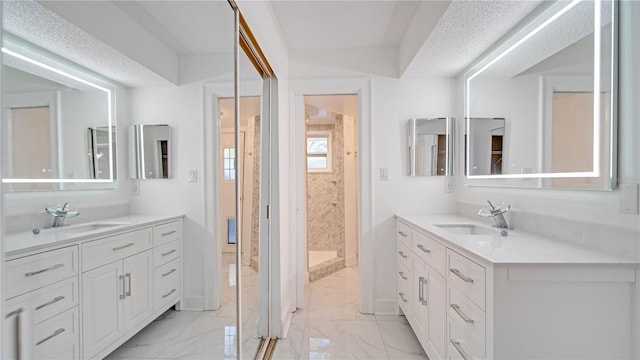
(518, 248)
(24, 243)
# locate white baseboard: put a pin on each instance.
(351, 261)
(385, 307)
(192, 303)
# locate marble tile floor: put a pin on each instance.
(329, 327)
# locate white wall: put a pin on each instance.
(180, 107)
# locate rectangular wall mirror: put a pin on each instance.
(150, 152)
(552, 87)
(49, 107)
(430, 146)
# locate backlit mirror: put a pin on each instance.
(430, 146)
(57, 124)
(541, 108)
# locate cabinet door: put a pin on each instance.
(420, 300)
(137, 303)
(437, 309)
(102, 289)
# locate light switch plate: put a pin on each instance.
(629, 198)
(193, 175)
(135, 187)
(449, 184)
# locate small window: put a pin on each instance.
(229, 157)
(319, 152)
(231, 231)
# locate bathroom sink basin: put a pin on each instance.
(83, 228)
(466, 229)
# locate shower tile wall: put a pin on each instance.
(325, 197)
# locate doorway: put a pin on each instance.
(331, 179)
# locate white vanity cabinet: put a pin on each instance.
(91, 293)
(43, 287)
(515, 297)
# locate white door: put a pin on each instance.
(228, 172)
(102, 294)
(137, 275)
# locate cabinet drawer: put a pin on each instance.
(165, 253)
(429, 250)
(460, 346)
(467, 315)
(468, 277)
(403, 233)
(99, 252)
(166, 281)
(56, 334)
(166, 232)
(404, 289)
(35, 271)
(47, 301)
(404, 255)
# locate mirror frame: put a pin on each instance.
(534, 26)
(15, 47)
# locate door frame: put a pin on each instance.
(364, 129)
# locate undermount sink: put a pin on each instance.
(83, 228)
(466, 229)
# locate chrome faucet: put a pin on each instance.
(60, 213)
(496, 214)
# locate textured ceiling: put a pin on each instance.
(40, 26)
(464, 32)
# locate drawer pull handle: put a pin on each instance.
(402, 254)
(402, 297)
(57, 298)
(421, 247)
(402, 233)
(461, 276)
(54, 267)
(169, 293)
(169, 273)
(168, 233)
(401, 273)
(123, 246)
(169, 252)
(55, 333)
(124, 290)
(423, 280)
(456, 344)
(128, 276)
(464, 316)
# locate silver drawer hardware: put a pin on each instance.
(401, 273)
(461, 276)
(121, 277)
(169, 293)
(128, 276)
(169, 273)
(456, 344)
(57, 298)
(424, 298)
(402, 233)
(169, 252)
(464, 316)
(123, 246)
(168, 233)
(402, 297)
(421, 247)
(402, 254)
(31, 273)
(421, 283)
(56, 333)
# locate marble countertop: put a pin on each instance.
(25, 242)
(516, 248)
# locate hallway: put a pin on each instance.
(330, 326)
